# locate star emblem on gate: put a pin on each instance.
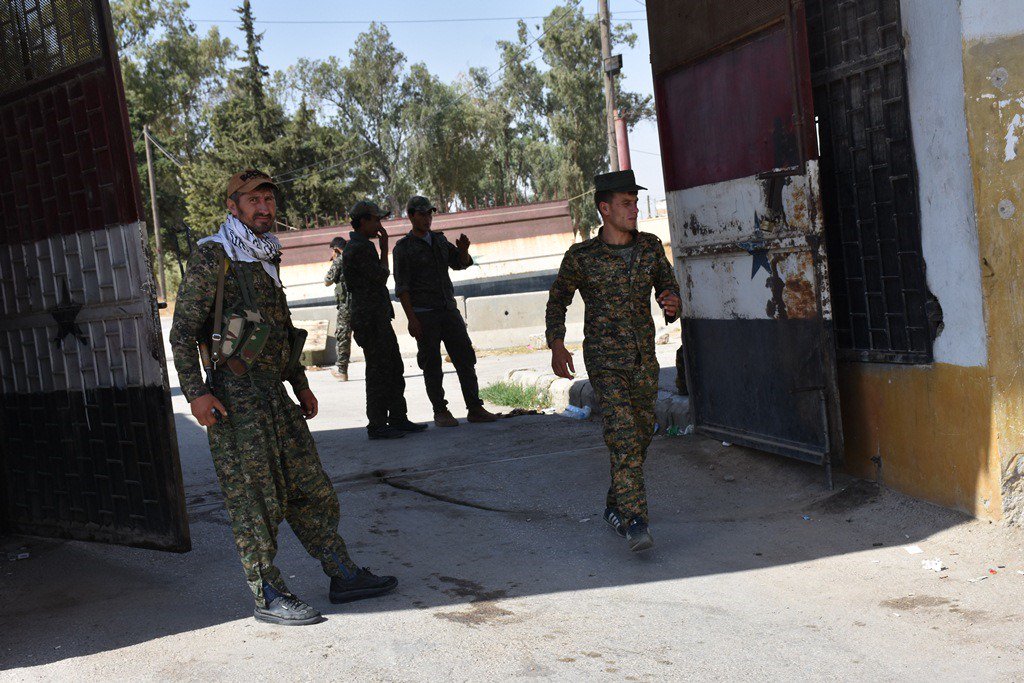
(760, 253)
(65, 313)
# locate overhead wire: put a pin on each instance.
(363, 22)
(173, 159)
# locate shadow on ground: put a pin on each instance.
(467, 518)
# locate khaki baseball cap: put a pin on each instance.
(367, 208)
(247, 181)
(421, 204)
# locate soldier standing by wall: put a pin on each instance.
(615, 273)
(265, 458)
(423, 285)
(343, 325)
(366, 276)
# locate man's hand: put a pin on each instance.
(415, 328)
(203, 407)
(308, 403)
(561, 360)
(462, 244)
(382, 236)
(670, 303)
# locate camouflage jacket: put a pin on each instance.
(421, 269)
(193, 313)
(617, 325)
(367, 282)
(336, 277)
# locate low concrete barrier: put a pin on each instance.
(494, 322)
(671, 409)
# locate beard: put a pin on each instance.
(253, 224)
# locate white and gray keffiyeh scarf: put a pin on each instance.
(242, 244)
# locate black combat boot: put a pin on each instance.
(638, 535)
(285, 610)
(362, 584)
(405, 425)
(615, 521)
(384, 432)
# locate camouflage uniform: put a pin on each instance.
(618, 348)
(265, 458)
(372, 313)
(343, 326)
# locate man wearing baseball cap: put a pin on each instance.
(366, 276)
(264, 455)
(423, 285)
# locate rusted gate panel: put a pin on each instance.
(90, 450)
(738, 146)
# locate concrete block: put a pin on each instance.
(576, 392)
(588, 397)
(515, 311)
(559, 393)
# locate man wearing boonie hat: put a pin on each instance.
(616, 272)
(264, 455)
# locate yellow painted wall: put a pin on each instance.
(929, 428)
(994, 83)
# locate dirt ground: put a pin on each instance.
(506, 570)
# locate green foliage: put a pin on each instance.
(334, 131)
(516, 396)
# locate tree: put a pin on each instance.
(245, 131)
(514, 131)
(171, 77)
(369, 98)
(571, 46)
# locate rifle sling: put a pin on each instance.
(218, 314)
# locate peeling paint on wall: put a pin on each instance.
(995, 126)
(1012, 138)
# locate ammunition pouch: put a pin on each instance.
(244, 339)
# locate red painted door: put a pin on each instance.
(90, 450)
(732, 84)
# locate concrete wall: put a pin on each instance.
(492, 260)
(993, 59)
(494, 322)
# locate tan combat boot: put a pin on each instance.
(445, 419)
(339, 374)
(480, 414)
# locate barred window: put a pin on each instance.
(39, 38)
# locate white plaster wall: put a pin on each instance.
(985, 19)
(949, 231)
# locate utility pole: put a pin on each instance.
(609, 68)
(161, 284)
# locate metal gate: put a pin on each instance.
(883, 309)
(90, 450)
(732, 86)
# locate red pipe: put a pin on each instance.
(622, 141)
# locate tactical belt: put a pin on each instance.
(255, 375)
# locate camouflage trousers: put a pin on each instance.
(627, 399)
(385, 372)
(269, 471)
(343, 336)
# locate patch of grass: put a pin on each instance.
(515, 396)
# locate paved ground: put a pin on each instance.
(507, 571)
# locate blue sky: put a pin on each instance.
(448, 49)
